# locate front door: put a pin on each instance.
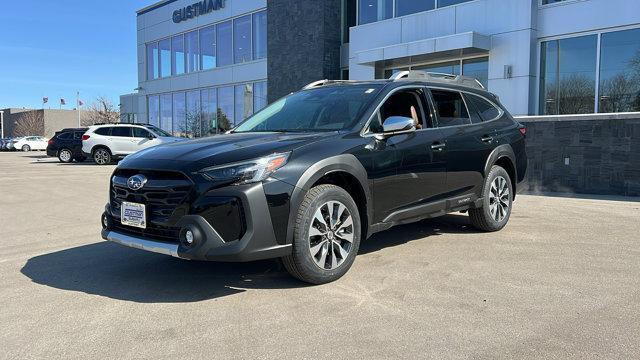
(414, 170)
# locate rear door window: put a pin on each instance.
(106, 131)
(78, 135)
(121, 131)
(486, 110)
(451, 108)
(64, 136)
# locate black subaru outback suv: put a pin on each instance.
(311, 175)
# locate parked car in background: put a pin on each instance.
(66, 145)
(8, 145)
(3, 143)
(105, 143)
(29, 143)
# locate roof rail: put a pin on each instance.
(437, 77)
(324, 82)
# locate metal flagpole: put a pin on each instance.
(78, 106)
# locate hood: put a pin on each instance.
(223, 149)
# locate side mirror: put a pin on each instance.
(150, 137)
(397, 125)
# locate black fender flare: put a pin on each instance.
(502, 151)
(339, 163)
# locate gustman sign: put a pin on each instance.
(197, 9)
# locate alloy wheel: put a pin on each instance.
(331, 235)
(65, 155)
(101, 157)
(499, 198)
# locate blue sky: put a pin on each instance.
(55, 48)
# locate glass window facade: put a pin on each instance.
(476, 67)
(376, 10)
(260, 35)
(154, 110)
(234, 41)
(619, 89)
(152, 61)
(177, 55)
(224, 43)
(165, 57)
(242, 39)
(208, 48)
(243, 102)
(191, 51)
(452, 67)
(568, 76)
(204, 112)
(406, 7)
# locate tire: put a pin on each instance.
(26, 148)
(320, 256)
(102, 156)
(497, 201)
(65, 156)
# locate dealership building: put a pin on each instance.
(206, 65)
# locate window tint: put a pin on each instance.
(140, 133)
(103, 131)
(451, 108)
(64, 136)
(405, 103)
(78, 135)
(484, 108)
(122, 131)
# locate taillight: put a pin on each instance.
(50, 142)
(85, 137)
(523, 130)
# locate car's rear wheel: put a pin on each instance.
(65, 156)
(326, 236)
(26, 148)
(102, 156)
(496, 203)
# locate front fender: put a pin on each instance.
(339, 163)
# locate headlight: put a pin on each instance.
(246, 172)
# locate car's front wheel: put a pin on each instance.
(26, 148)
(65, 156)
(102, 156)
(326, 236)
(496, 203)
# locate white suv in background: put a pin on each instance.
(104, 143)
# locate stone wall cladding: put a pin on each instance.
(303, 44)
(603, 155)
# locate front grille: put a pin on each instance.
(161, 195)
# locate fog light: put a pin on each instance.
(105, 221)
(188, 236)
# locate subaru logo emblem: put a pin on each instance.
(136, 182)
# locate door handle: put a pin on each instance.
(437, 146)
(486, 138)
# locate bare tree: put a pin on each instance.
(29, 123)
(576, 93)
(618, 94)
(101, 111)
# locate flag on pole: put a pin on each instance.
(62, 102)
(45, 100)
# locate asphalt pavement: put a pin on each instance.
(561, 281)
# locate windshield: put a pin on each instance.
(322, 109)
(158, 131)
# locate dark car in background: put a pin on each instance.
(312, 174)
(66, 145)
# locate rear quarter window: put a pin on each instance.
(486, 110)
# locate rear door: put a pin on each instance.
(468, 142)
(121, 140)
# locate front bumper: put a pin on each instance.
(258, 241)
